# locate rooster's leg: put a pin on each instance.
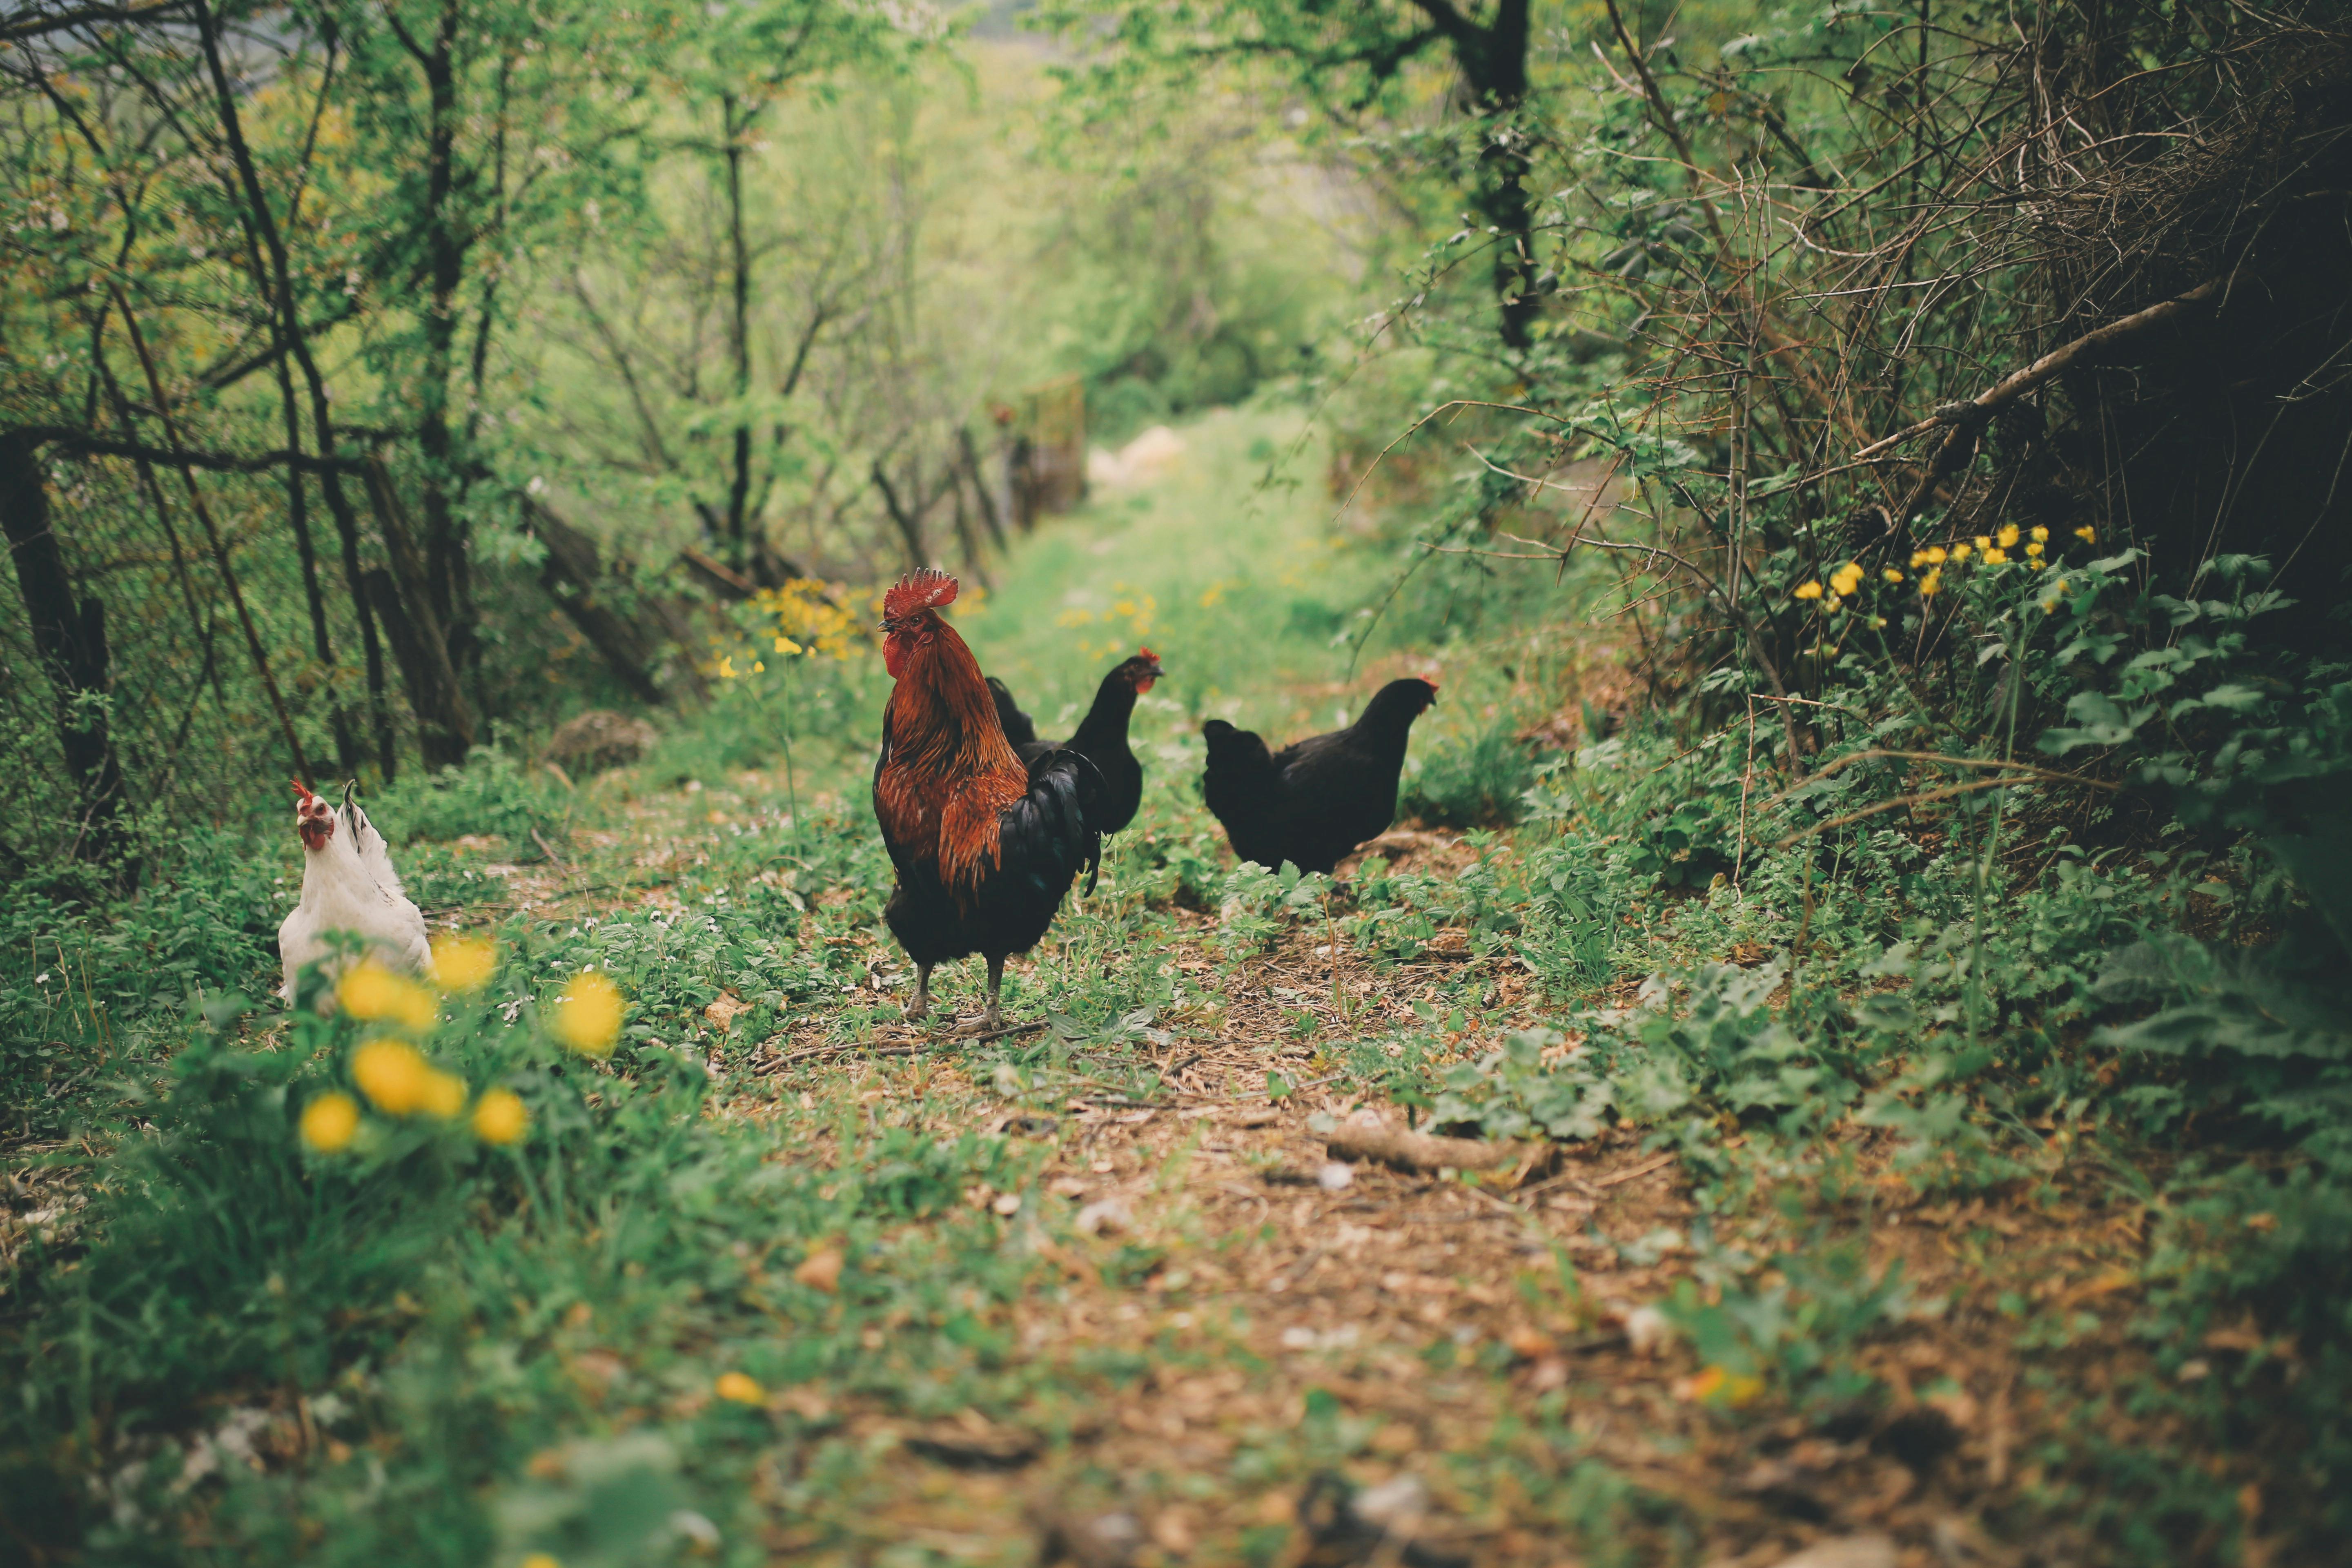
(995, 1019)
(922, 1002)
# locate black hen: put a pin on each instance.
(1313, 802)
(1101, 737)
(1018, 728)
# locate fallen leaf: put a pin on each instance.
(725, 1010)
(821, 1270)
(1845, 1552)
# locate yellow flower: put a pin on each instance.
(1960, 553)
(2008, 534)
(1930, 583)
(741, 1388)
(1809, 590)
(1983, 544)
(394, 1075)
(2034, 551)
(539, 1560)
(1847, 578)
(1717, 1385)
(726, 666)
(1918, 558)
(2050, 606)
(1996, 557)
(2041, 536)
(372, 992)
(444, 1094)
(2088, 534)
(787, 645)
(588, 1014)
(464, 962)
(328, 1121)
(1892, 575)
(500, 1117)
(1934, 556)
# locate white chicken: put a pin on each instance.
(348, 885)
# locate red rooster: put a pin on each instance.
(986, 846)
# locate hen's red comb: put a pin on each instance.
(1147, 653)
(300, 789)
(926, 589)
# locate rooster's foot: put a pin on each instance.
(920, 1005)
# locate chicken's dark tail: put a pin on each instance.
(1076, 785)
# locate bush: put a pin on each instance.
(494, 795)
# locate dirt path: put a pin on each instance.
(1312, 1360)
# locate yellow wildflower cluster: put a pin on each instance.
(391, 1073)
(739, 1388)
(1133, 606)
(1990, 550)
(588, 1014)
(1842, 586)
(810, 617)
(1721, 1386)
(464, 962)
(804, 618)
(399, 1081)
(374, 994)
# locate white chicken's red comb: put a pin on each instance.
(300, 789)
(925, 589)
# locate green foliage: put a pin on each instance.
(1473, 785)
(1799, 1325)
(495, 796)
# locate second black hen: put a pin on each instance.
(1101, 735)
(1314, 800)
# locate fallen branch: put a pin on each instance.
(1417, 1152)
(1924, 797)
(549, 850)
(1636, 1173)
(936, 1042)
(1973, 413)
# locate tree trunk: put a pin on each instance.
(293, 340)
(980, 486)
(967, 536)
(573, 577)
(910, 525)
(1500, 77)
(739, 335)
(69, 635)
(445, 724)
(447, 579)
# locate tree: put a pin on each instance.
(1349, 57)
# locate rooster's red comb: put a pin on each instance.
(1147, 653)
(302, 790)
(926, 589)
